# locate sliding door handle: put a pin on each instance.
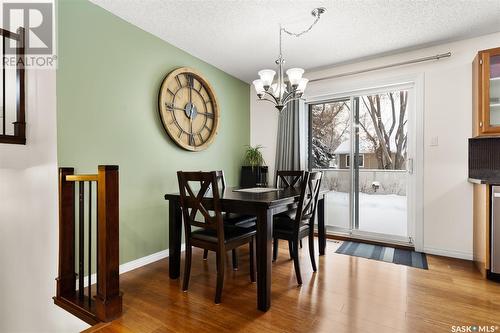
(409, 165)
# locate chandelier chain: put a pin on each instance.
(298, 34)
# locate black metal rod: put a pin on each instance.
(20, 124)
(3, 86)
(81, 189)
(90, 244)
(403, 63)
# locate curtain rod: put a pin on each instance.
(409, 62)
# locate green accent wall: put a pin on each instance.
(108, 78)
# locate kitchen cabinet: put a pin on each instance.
(486, 93)
(481, 227)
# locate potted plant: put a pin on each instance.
(254, 170)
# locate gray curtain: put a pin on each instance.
(288, 148)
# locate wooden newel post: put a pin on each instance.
(108, 301)
(66, 278)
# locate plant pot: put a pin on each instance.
(253, 176)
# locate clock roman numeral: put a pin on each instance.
(178, 81)
(200, 137)
(170, 92)
(191, 140)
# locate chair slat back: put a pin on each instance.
(286, 178)
(309, 195)
(194, 202)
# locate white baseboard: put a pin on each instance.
(448, 253)
(134, 264)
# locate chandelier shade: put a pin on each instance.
(278, 91)
(266, 76)
(301, 87)
(259, 86)
(294, 76)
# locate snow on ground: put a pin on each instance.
(380, 213)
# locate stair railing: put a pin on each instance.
(99, 298)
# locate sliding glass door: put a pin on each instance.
(363, 145)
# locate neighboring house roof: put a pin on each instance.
(365, 147)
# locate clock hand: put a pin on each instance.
(191, 137)
(171, 106)
(209, 115)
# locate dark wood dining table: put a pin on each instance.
(263, 206)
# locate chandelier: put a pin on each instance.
(280, 92)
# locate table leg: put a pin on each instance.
(321, 226)
(264, 258)
(174, 238)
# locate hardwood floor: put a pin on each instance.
(347, 294)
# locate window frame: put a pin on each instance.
(348, 160)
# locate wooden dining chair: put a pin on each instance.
(204, 212)
(232, 219)
(293, 229)
(286, 179)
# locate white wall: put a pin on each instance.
(28, 219)
(447, 205)
(263, 130)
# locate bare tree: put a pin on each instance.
(327, 125)
(385, 131)
(382, 121)
(330, 123)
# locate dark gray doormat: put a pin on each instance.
(384, 253)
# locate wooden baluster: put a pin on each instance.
(81, 237)
(90, 245)
(66, 271)
(20, 124)
(3, 87)
(108, 299)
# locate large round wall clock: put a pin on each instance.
(188, 109)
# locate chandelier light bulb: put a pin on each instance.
(294, 76)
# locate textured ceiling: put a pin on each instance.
(241, 37)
